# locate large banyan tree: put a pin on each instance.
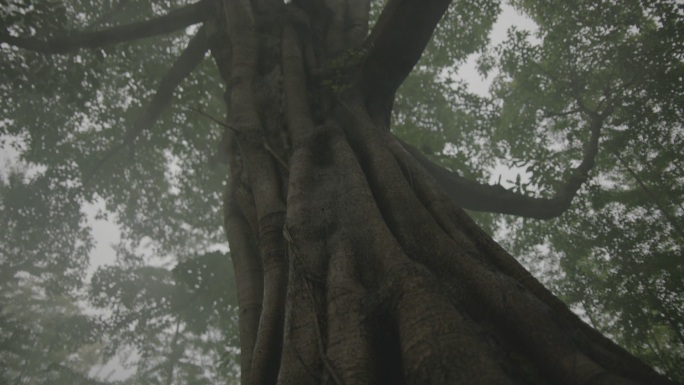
(355, 262)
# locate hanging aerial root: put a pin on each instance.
(264, 180)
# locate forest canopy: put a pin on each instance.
(113, 110)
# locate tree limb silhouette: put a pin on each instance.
(477, 196)
(393, 48)
(181, 69)
(173, 21)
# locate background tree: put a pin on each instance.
(352, 264)
(166, 326)
(607, 59)
(44, 336)
(178, 323)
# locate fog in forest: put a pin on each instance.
(114, 262)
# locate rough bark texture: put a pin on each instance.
(353, 260)
(353, 265)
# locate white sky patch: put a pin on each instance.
(106, 234)
(508, 18)
(11, 147)
(120, 367)
(506, 175)
(173, 171)
(9, 155)
(479, 85)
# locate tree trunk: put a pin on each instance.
(353, 265)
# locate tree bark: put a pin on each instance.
(353, 265)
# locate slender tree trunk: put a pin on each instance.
(353, 265)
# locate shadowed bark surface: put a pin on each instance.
(353, 265)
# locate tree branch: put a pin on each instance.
(173, 21)
(356, 26)
(476, 196)
(393, 48)
(181, 69)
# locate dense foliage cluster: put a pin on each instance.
(593, 92)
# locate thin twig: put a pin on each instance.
(261, 140)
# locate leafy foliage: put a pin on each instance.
(615, 255)
(45, 337)
(134, 315)
(180, 323)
